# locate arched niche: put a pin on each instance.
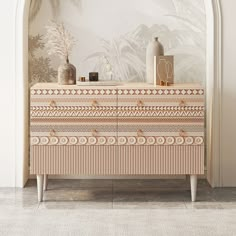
(213, 88)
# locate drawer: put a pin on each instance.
(73, 160)
(161, 103)
(117, 160)
(73, 103)
(162, 160)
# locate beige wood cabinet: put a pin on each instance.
(133, 129)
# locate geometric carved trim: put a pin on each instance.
(191, 111)
(90, 92)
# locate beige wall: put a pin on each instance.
(229, 94)
(7, 94)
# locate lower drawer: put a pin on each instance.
(117, 160)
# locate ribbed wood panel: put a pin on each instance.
(73, 160)
(163, 160)
(117, 160)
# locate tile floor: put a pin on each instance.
(118, 208)
(118, 194)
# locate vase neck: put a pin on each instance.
(67, 60)
(155, 39)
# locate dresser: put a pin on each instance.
(125, 130)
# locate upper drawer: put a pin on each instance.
(72, 103)
(169, 102)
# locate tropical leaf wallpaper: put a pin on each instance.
(112, 36)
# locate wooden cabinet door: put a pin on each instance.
(160, 130)
(73, 131)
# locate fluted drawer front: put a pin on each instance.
(163, 160)
(73, 160)
(117, 160)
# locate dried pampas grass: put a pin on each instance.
(59, 40)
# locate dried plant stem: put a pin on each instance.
(59, 40)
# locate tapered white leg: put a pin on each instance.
(193, 183)
(40, 187)
(45, 182)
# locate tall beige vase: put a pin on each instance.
(154, 48)
(67, 74)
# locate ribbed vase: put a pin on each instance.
(154, 48)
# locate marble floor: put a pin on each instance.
(112, 199)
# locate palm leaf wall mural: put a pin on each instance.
(40, 69)
(123, 57)
(119, 60)
(35, 7)
(191, 54)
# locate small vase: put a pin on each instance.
(67, 74)
(154, 48)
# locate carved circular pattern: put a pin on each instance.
(160, 140)
(44, 140)
(170, 140)
(132, 140)
(199, 140)
(35, 141)
(54, 140)
(83, 140)
(151, 140)
(92, 140)
(102, 140)
(73, 140)
(111, 140)
(122, 140)
(141, 140)
(64, 140)
(189, 140)
(179, 140)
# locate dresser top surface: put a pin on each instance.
(118, 86)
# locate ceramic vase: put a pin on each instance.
(154, 48)
(67, 74)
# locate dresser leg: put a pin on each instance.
(193, 183)
(45, 182)
(40, 187)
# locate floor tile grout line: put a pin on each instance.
(185, 205)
